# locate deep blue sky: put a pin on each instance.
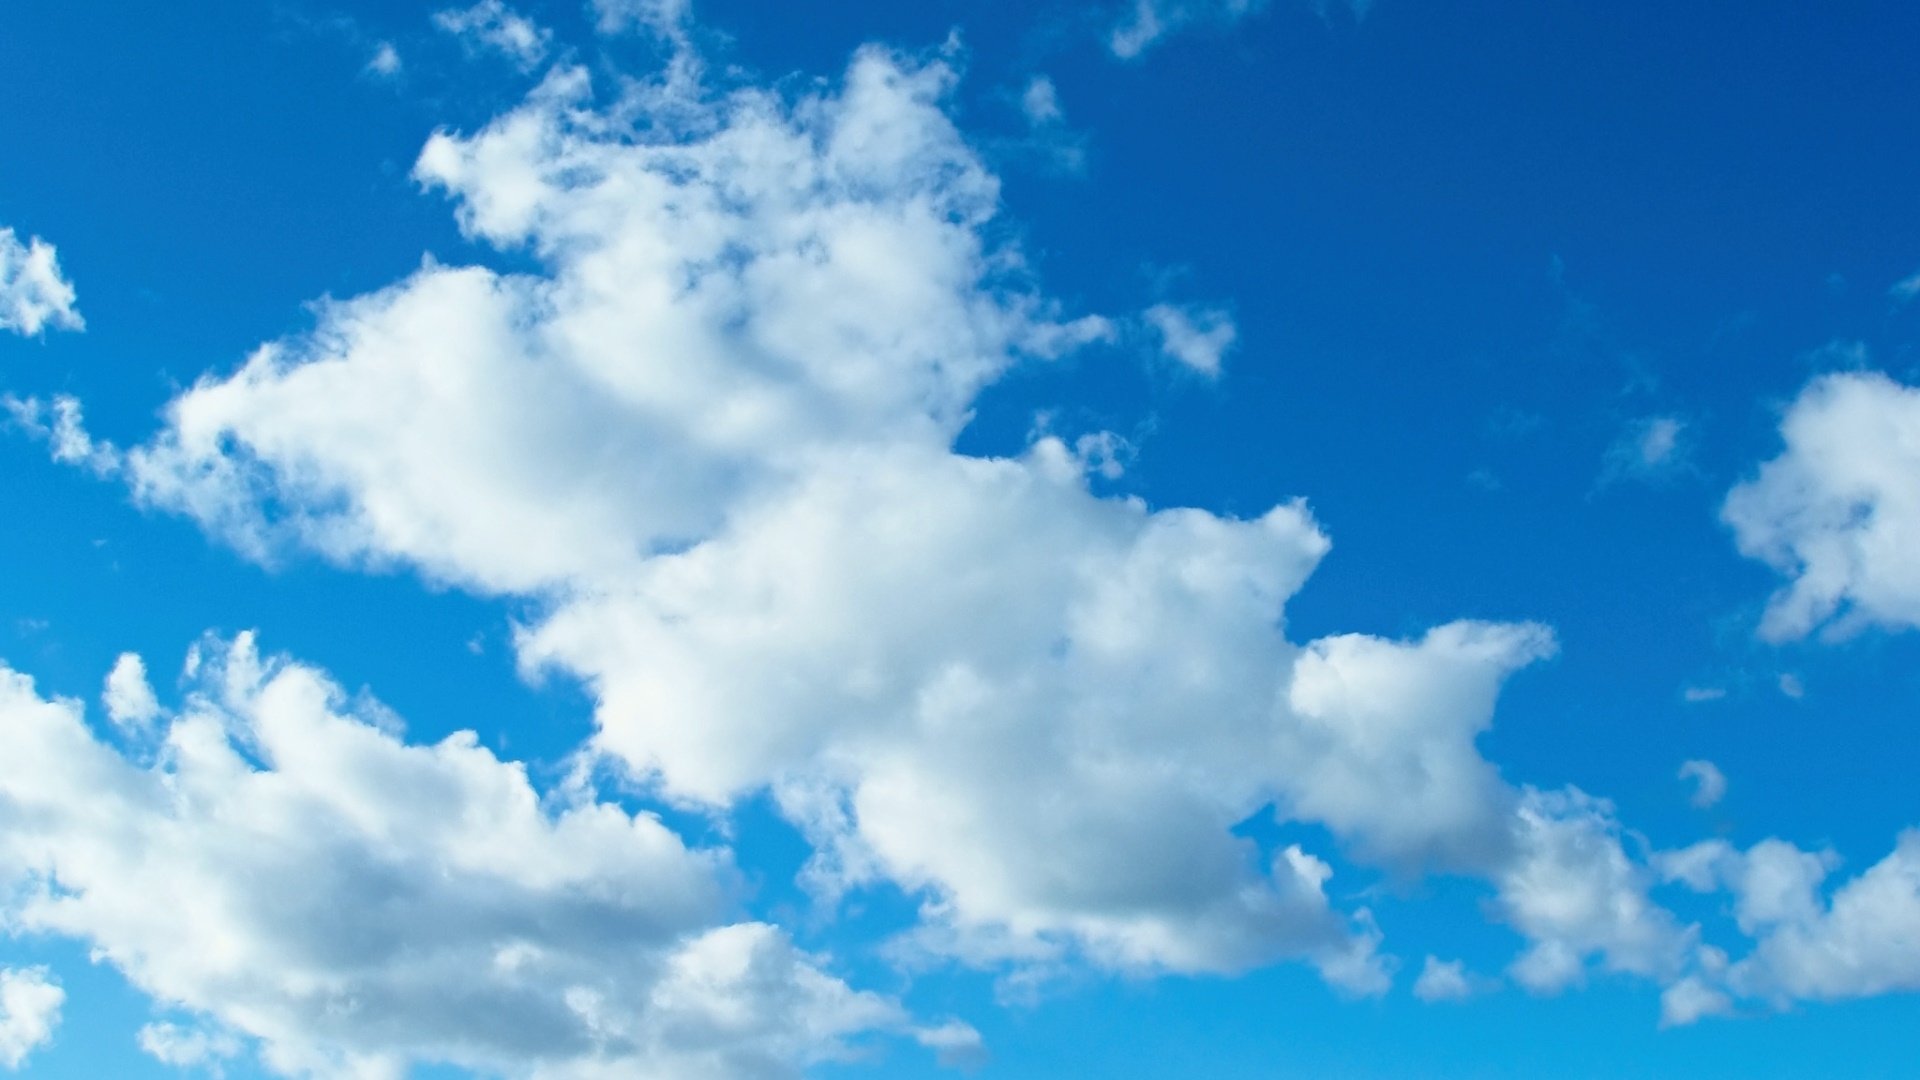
(1466, 246)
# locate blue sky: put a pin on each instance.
(1125, 539)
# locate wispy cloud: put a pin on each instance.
(492, 25)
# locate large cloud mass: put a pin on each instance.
(714, 439)
(279, 864)
(708, 444)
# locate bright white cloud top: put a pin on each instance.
(30, 1002)
(1838, 512)
(1857, 941)
(278, 863)
(34, 295)
(730, 402)
(128, 696)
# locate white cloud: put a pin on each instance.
(1576, 894)
(1838, 512)
(667, 18)
(1695, 695)
(129, 697)
(60, 425)
(288, 869)
(1381, 743)
(1049, 141)
(1122, 662)
(187, 1047)
(30, 1002)
(1196, 337)
(1650, 449)
(1147, 21)
(1691, 1000)
(33, 293)
(1865, 940)
(1041, 102)
(1862, 940)
(711, 328)
(727, 400)
(1791, 686)
(491, 24)
(1710, 784)
(385, 61)
(1443, 980)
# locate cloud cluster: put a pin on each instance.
(279, 864)
(30, 1003)
(1838, 512)
(1860, 940)
(705, 442)
(33, 293)
(728, 405)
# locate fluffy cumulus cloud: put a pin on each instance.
(33, 293)
(129, 698)
(280, 865)
(1860, 939)
(1578, 894)
(30, 1003)
(708, 446)
(1838, 512)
